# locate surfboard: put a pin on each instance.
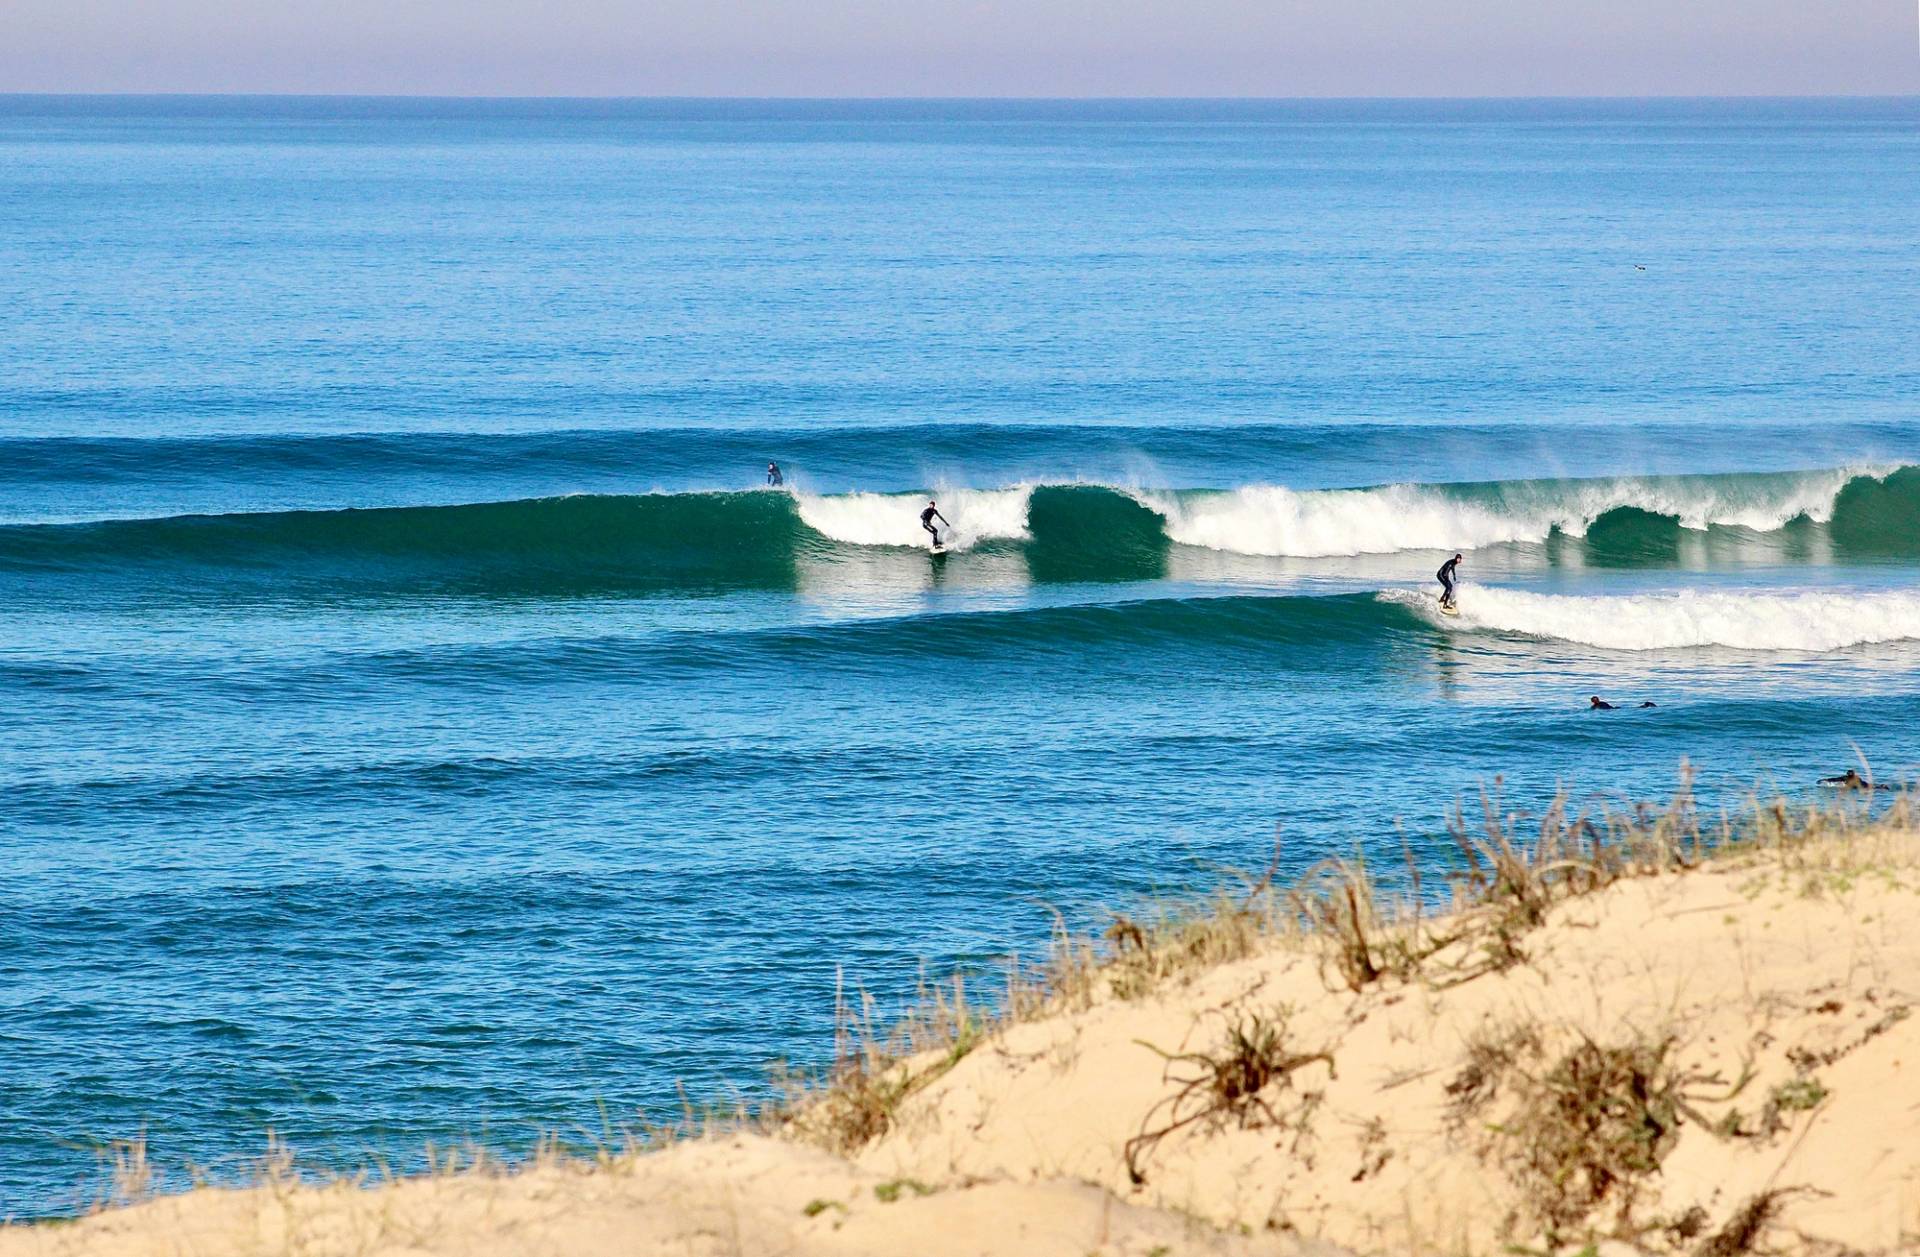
(1446, 610)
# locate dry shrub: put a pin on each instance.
(1338, 903)
(1225, 1084)
(1588, 1130)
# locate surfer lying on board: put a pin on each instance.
(1446, 581)
(1852, 780)
(1596, 703)
(928, 516)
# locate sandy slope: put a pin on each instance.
(742, 1195)
(1766, 1000)
(1796, 979)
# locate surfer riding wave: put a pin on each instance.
(926, 521)
(1446, 578)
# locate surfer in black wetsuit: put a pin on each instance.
(928, 516)
(1852, 780)
(1596, 703)
(774, 477)
(1445, 575)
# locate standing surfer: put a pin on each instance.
(774, 478)
(1446, 575)
(926, 521)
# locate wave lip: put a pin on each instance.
(1812, 621)
(1321, 523)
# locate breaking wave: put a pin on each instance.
(669, 541)
(1272, 520)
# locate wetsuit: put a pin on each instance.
(926, 521)
(1446, 581)
(773, 475)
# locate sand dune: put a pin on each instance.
(1707, 1061)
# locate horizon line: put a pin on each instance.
(944, 99)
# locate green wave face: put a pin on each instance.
(553, 547)
(702, 542)
(1088, 533)
(1879, 518)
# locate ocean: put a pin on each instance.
(419, 721)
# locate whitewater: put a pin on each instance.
(882, 519)
(1270, 520)
(1275, 520)
(1774, 621)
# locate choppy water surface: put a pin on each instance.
(418, 719)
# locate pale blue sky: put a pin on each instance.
(964, 47)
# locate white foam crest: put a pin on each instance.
(1272, 520)
(1319, 523)
(1813, 621)
(893, 519)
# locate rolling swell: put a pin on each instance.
(559, 546)
(1330, 628)
(701, 542)
(1142, 637)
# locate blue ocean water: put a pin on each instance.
(418, 720)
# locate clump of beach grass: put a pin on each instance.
(1589, 1129)
(128, 1174)
(1228, 1083)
